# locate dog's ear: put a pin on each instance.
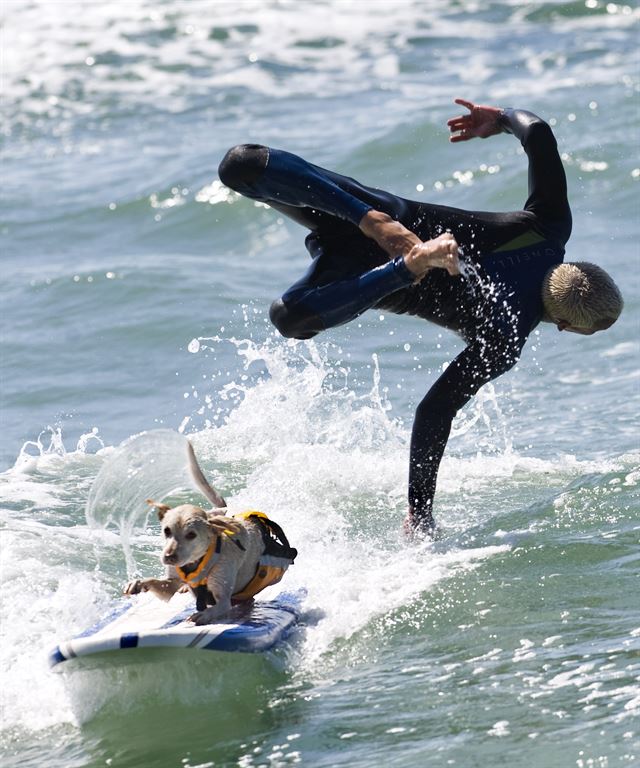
(162, 508)
(222, 524)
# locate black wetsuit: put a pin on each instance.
(494, 305)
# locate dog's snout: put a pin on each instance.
(170, 553)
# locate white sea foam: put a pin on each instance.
(49, 597)
(59, 57)
(622, 349)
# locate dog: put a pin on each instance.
(222, 560)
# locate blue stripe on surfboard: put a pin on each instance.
(56, 657)
(239, 640)
(129, 640)
(253, 636)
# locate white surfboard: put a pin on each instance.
(146, 622)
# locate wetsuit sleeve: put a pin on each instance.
(547, 180)
(477, 364)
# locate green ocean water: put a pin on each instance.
(135, 294)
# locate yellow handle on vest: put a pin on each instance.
(251, 513)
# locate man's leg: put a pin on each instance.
(281, 178)
(340, 284)
(322, 299)
(242, 169)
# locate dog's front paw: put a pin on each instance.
(208, 616)
(135, 587)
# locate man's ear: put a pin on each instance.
(162, 508)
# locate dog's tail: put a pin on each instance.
(201, 481)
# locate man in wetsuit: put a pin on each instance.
(490, 277)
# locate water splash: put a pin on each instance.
(150, 465)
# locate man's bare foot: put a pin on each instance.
(392, 236)
(418, 528)
(441, 252)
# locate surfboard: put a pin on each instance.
(145, 622)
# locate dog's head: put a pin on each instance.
(188, 532)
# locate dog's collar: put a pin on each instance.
(199, 575)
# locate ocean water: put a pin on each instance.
(134, 299)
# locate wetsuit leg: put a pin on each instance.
(281, 178)
(429, 437)
(306, 308)
(325, 296)
(242, 169)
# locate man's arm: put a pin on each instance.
(480, 362)
(419, 257)
(547, 181)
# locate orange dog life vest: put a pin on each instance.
(277, 556)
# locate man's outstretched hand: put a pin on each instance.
(482, 122)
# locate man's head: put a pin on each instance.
(581, 298)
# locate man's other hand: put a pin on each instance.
(439, 253)
(482, 122)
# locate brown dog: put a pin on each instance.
(220, 559)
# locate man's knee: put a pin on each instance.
(243, 164)
(291, 324)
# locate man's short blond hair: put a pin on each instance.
(581, 293)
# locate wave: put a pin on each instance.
(148, 60)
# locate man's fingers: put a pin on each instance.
(453, 263)
(452, 244)
(461, 127)
(464, 103)
(453, 269)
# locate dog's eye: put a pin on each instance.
(190, 535)
(167, 532)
